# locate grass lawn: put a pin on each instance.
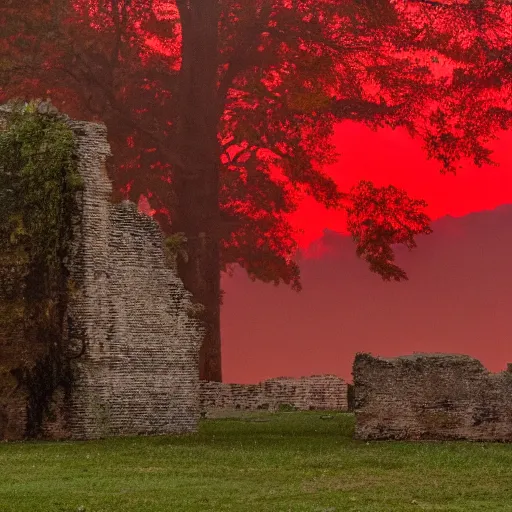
(283, 462)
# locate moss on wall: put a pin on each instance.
(38, 185)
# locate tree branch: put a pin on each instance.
(127, 116)
(241, 59)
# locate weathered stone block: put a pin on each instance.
(431, 396)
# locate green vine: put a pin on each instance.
(176, 245)
(39, 179)
(38, 184)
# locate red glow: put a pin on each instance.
(261, 341)
(268, 331)
(278, 342)
(392, 157)
(320, 330)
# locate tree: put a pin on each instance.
(221, 111)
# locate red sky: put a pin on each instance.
(392, 157)
(269, 332)
(457, 299)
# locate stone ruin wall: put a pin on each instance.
(318, 392)
(139, 372)
(431, 396)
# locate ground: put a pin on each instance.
(289, 461)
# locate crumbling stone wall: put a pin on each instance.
(431, 396)
(132, 346)
(320, 392)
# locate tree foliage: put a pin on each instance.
(221, 112)
(288, 71)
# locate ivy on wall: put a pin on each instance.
(38, 185)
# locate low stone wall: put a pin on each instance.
(318, 392)
(431, 396)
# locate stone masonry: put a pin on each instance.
(138, 373)
(318, 392)
(431, 396)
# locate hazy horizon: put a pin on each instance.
(456, 301)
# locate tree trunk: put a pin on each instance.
(196, 181)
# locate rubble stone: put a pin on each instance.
(431, 396)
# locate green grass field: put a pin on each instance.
(274, 462)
